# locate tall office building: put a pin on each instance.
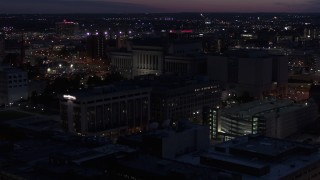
(279, 76)
(255, 75)
(13, 85)
(106, 110)
(252, 71)
(96, 45)
(211, 118)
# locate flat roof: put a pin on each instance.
(9, 69)
(288, 156)
(164, 167)
(171, 82)
(265, 106)
(264, 145)
(107, 90)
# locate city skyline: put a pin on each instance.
(157, 6)
(159, 90)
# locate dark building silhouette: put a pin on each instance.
(67, 28)
(259, 157)
(1, 45)
(253, 71)
(173, 98)
(314, 93)
(14, 51)
(96, 45)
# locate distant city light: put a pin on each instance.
(187, 31)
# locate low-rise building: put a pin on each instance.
(183, 138)
(259, 157)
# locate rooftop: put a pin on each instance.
(264, 147)
(9, 69)
(264, 106)
(262, 156)
(247, 53)
(160, 168)
(99, 90)
(170, 82)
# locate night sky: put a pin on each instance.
(141, 6)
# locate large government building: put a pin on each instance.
(106, 110)
(158, 58)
